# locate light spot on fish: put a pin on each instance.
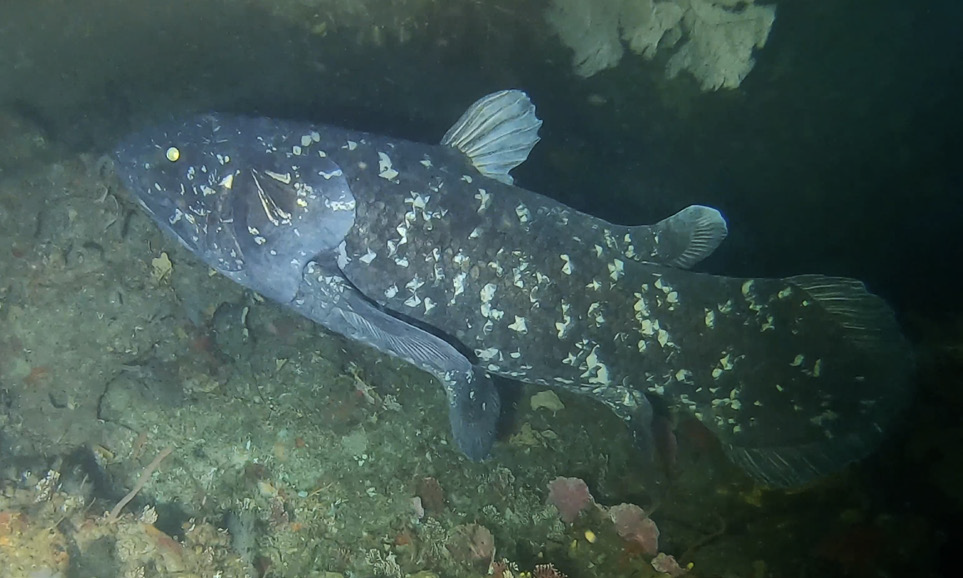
(486, 295)
(784, 293)
(747, 288)
(484, 199)
(333, 205)
(519, 325)
(414, 284)
(798, 360)
(487, 292)
(429, 304)
(296, 150)
(672, 297)
(458, 282)
(641, 309)
(683, 375)
(524, 215)
(384, 167)
(426, 162)
(647, 327)
(517, 279)
(284, 178)
(488, 354)
(390, 292)
(567, 267)
(331, 175)
(823, 418)
(413, 301)
(418, 201)
(474, 233)
(817, 368)
(595, 285)
(460, 258)
(401, 261)
(368, 257)
(710, 318)
(228, 181)
(616, 269)
(598, 250)
(566, 324)
(466, 178)
(350, 145)
(306, 140)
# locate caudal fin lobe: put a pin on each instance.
(817, 387)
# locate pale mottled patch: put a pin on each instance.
(519, 325)
(567, 264)
(385, 169)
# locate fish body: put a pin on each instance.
(432, 254)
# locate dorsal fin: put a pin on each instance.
(496, 133)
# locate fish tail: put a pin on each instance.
(819, 374)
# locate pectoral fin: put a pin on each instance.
(329, 299)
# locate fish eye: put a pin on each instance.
(173, 154)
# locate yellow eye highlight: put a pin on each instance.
(173, 154)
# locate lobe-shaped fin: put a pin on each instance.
(327, 297)
(689, 236)
(496, 133)
(847, 385)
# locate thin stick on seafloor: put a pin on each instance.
(141, 482)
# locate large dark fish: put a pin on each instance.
(431, 254)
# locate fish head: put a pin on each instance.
(160, 163)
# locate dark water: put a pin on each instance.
(839, 154)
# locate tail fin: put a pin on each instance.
(818, 370)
